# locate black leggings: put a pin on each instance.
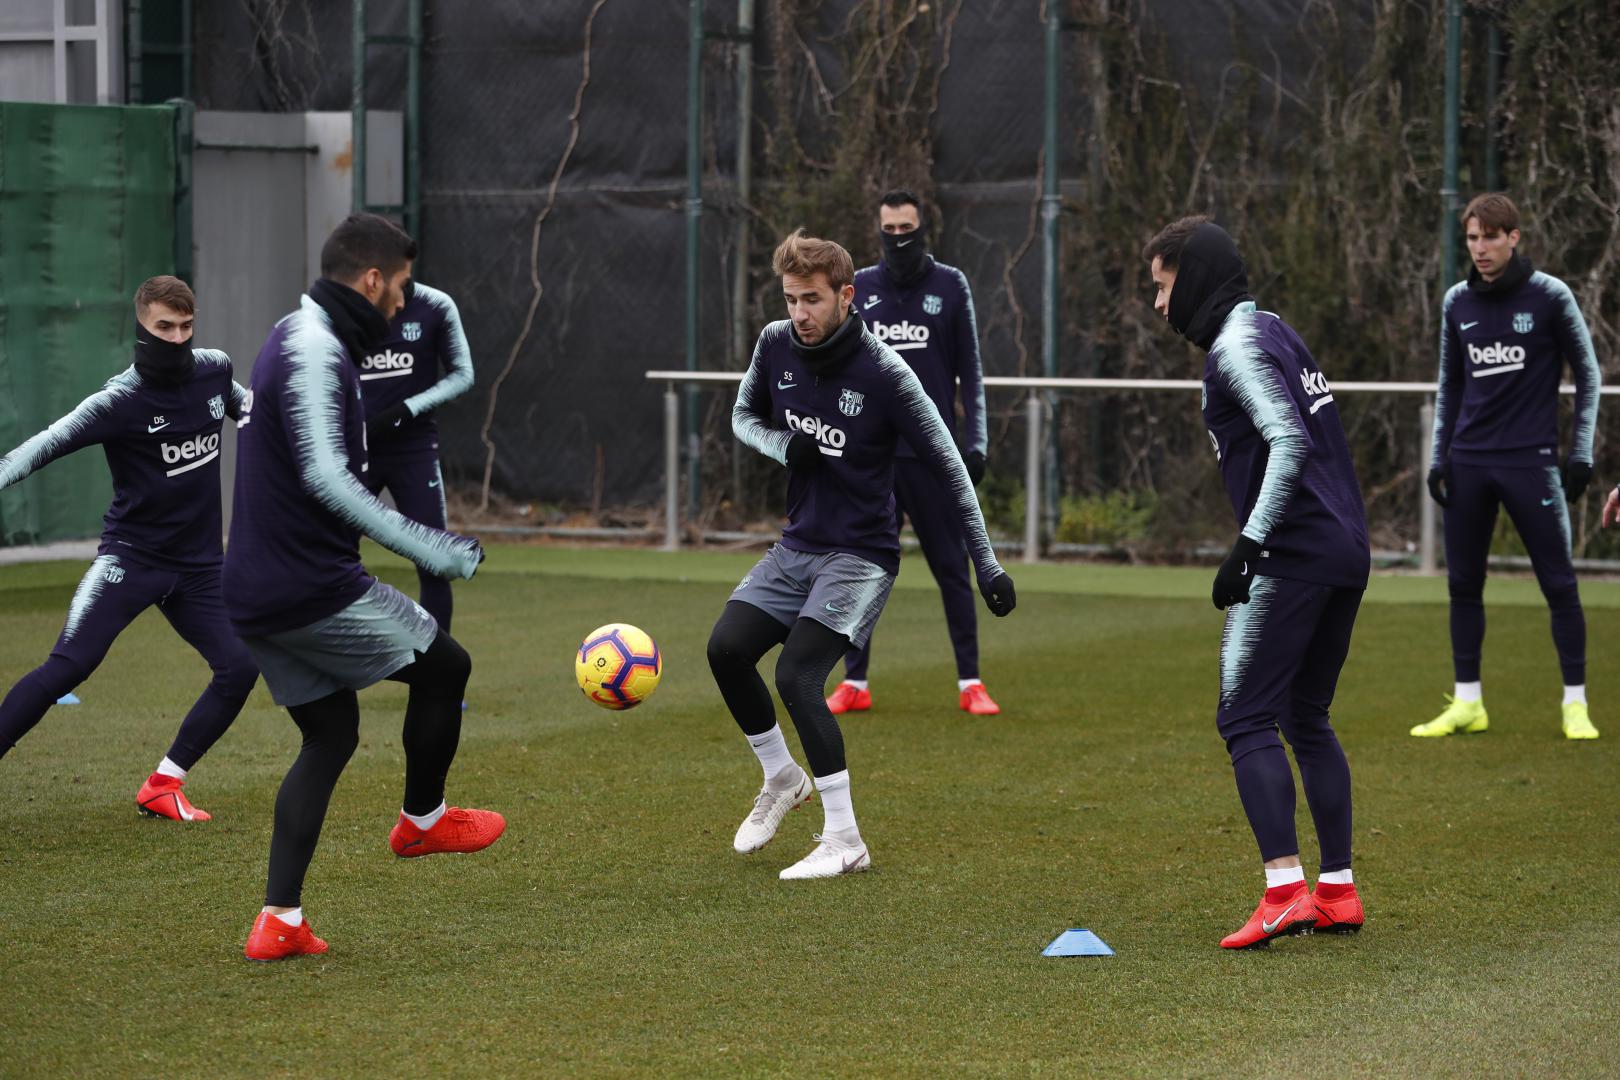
(331, 728)
(810, 650)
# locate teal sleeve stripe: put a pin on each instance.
(1258, 389)
(1583, 365)
(1448, 384)
(459, 379)
(238, 397)
(751, 415)
(312, 404)
(1240, 639)
(85, 596)
(241, 397)
(84, 426)
(970, 371)
(921, 425)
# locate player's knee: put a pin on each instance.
(1562, 596)
(799, 680)
(1466, 589)
(452, 663)
(62, 673)
(1240, 744)
(725, 651)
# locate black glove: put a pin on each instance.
(387, 420)
(975, 466)
(1440, 484)
(802, 452)
(998, 594)
(1577, 474)
(1232, 579)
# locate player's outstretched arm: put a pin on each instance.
(313, 404)
(919, 423)
(91, 421)
(970, 377)
(751, 414)
(458, 379)
(1447, 398)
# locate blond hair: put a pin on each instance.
(803, 255)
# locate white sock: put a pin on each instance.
(291, 918)
(1335, 877)
(835, 801)
(772, 750)
(963, 684)
(1571, 693)
(859, 684)
(428, 820)
(169, 768)
(1286, 876)
(1467, 691)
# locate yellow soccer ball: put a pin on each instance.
(618, 666)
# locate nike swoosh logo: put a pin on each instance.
(1466, 325)
(786, 385)
(1549, 502)
(836, 611)
(872, 302)
(1245, 571)
(150, 429)
(903, 243)
(1271, 927)
(418, 843)
(850, 864)
(433, 483)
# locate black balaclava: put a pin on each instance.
(905, 255)
(1210, 282)
(162, 361)
(1514, 274)
(355, 320)
(835, 351)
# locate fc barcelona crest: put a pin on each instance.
(1523, 322)
(850, 403)
(932, 304)
(216, 407)
(411, 331)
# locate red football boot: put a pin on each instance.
(273, 939)
(1283, 912)
(976, 700)
(460, 831)
(161, 797)
(1339, 909)
(848, 697)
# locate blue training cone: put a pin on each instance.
(69, 698)
(1077, 943)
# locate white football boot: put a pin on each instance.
(831, 858)
(770, 807)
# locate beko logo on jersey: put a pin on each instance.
(387, 365)
(1496, 358)
(1316, 384)
(902, 335)
(829, 440)
(195, 452)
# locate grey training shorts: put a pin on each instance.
(842, 592)
(361, 645)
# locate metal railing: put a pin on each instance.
(1033, 439)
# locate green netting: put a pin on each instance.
(86, 215)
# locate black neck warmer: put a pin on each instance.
(1514, 274)
(833, 353)
(905, 256)
(1210, 282)
(162, 361)
(355, 320)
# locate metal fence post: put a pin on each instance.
(1426, 504)
(672, 467)
(1033, 462)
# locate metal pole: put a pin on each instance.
(134, 50)
(184, 144)
(1426, 504)
(1493, 76)
(1033, 442)
(413, 123)
(672, 468)
(186, 63)
(1448, 192)
(694, 216)
(357, 111)
(745, 186)
(1050, 208)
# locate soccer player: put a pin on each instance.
(923, 310)
(158, 421)
(826, 399)
(1505, 334)
(402, 387)
(318, 624)
(1293, 581)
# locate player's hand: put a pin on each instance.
(802, 452)
(1232, 579)
(1577, 474)
(999, 596)
(1440, 484)
(975, 466)
(1611, 509)
(389, 419)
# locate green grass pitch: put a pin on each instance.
(613, 930)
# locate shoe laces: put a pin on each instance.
(763, 802)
